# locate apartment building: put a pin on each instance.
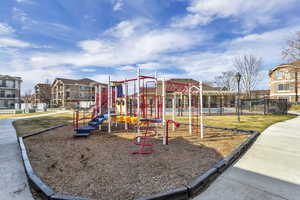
(10, 92)
(70, 92)
(42, 94)
(284, 82)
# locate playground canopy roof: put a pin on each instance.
(181, 86)
(134, 79)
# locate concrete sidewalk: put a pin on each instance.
(13, 181)
(269, 170)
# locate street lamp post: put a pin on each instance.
(238, 79)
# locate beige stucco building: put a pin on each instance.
(69, 92)
(284, 82)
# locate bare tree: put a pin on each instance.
(249, 67)
(226, 80)
(292, 52)
(27, 96)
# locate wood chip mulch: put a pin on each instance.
(101, 166)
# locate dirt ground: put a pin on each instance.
(101, 166)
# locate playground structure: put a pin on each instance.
(128, 102)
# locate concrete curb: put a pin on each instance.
(176, 194)
(45, 130)
(183, 193)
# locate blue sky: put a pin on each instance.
(45, 39)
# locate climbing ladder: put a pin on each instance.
(142, 141)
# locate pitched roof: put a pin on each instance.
(205, 86)
(295, 64)
(43, 85)
(86, 81)
(83, 81)
(10, 77)
(67, 81)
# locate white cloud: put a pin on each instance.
(5, 29)
(127, 68)
(87, 70)
(23, 1)
(20, 15)
(7, 39)
(95, 46)
(10, 42)
(136, 49)
(118, 5)
(252, 13)
(152, 66)
(191, 20)
(128, 28)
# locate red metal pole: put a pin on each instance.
(134, 98)
(143, 107)
(167, 132)
(158, 107)
(167, 129)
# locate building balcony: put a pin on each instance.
(8, 96)
(8, 87)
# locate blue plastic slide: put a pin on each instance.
(92, 125)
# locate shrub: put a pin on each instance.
(19, 111)
(31, 111)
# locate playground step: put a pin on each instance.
(83, 130)
(81, 134)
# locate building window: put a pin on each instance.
(10, 83)
(278, 74)
(84, 87)
(2, 104)
(283, 87)
(291, 75)
(11, 104)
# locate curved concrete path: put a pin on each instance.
(13, 181)
(269, 170)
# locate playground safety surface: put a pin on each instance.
(101, 166)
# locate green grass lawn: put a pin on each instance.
(5, 116)
(26, 126)
(250, 122)
(253, 122)
(295, 107)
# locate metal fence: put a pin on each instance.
(264, 106)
